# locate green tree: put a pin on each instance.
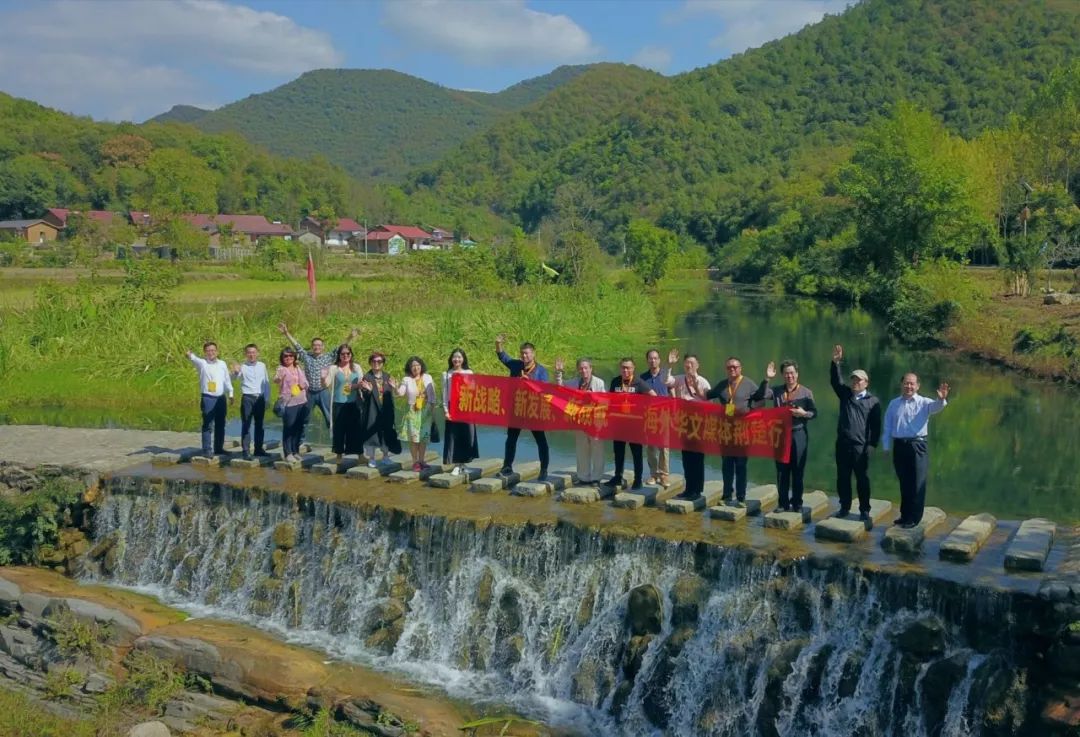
(30, 184)
(180, 183)
(185, 240)
(914, 199)
(649, 250)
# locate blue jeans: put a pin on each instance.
(319, 398)
(213, 415)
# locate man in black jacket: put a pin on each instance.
(857, 432)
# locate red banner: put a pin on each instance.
(637, 418)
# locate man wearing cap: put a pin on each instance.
(857, 431)
(907, 422)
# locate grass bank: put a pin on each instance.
(98, 352)
(1020, 332)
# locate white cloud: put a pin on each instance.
(127, 60)
(747, 24)
(652, 57)
(489, 32)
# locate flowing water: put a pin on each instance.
(593, 633)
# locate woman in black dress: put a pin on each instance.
(459, 445)
(376, 398)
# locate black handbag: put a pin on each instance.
(279, 407)
(434, 436)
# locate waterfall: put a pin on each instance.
(596, 633)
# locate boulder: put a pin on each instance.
(644, 610)
(9, 594)
(285, 536)
(923, 638)
(149, 729)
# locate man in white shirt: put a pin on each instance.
(907, 424)
(254, 395)
(214, 386)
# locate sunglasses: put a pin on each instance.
(732, 367)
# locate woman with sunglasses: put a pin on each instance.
(342, 378)
(459, 439)
(376, 398)
(292, 388)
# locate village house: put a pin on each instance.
(338, 236)
(30, 231)
(58, 216)
(415, 238)
(249, 227)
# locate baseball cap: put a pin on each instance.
(861, 374)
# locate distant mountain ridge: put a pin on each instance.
(697, 151)
(377, 124)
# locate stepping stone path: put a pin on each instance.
(909, 541)
(412, 477)
(366, 472)
(815, 506)
(586, 494)
(710, 495)
(172, 457)
(650, 495)
(497, 483)
(759, 500)
(967, 539)
(851, 528)
(201, 460)
(554, 483)
(1030, 545)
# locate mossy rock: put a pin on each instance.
(924, 638)
(182, 502)
(284, 536)
(103, 546)
(268, 589)
(484, 588)
(111, 562)
(644, 610)
(687, 597)
(296, 611)
(279, 559)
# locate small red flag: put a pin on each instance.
(311, 276)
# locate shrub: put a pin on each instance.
(30, 521)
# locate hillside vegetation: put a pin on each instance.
(376, 124)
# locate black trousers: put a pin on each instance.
(852, 459)
(252, 411)
(789, 476)
(213, 416)
(512, 434)
(693, 464)
(911, 460)
(734, 469)
(345, 435)
(620, 460)
(292, 428)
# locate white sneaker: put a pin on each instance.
(456, 471)
(371, 464)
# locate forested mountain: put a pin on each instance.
(49, 158)
(180, 114)
(374, 123)
(700, 151)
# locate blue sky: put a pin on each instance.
(132, 59)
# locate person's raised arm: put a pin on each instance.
(763, 393)
(504, 358)
(559, 366)
(942, 399)
(289, 337)
(834, 372)
(197, 360)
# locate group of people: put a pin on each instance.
(358, 408)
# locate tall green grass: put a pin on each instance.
(97, 354)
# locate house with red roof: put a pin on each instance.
(415, 238)
(343, 231)
(253, 227)
(58, 216)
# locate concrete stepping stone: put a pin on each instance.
(1030, 545)
(909, 541)
(967, 539)
(306, 461)
(331, 467)
(650, 495)
(815, 506)
(851, 529)
(253, 462)
(495, 484)
(412, 477)
(758, 499)
(553, 484)
(367, 473)
(473, 471)
(586, 494)
(710, 496)
(172, 457)
(205, 461)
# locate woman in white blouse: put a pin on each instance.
(459, 438)
(691, 387)
(418, 388)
